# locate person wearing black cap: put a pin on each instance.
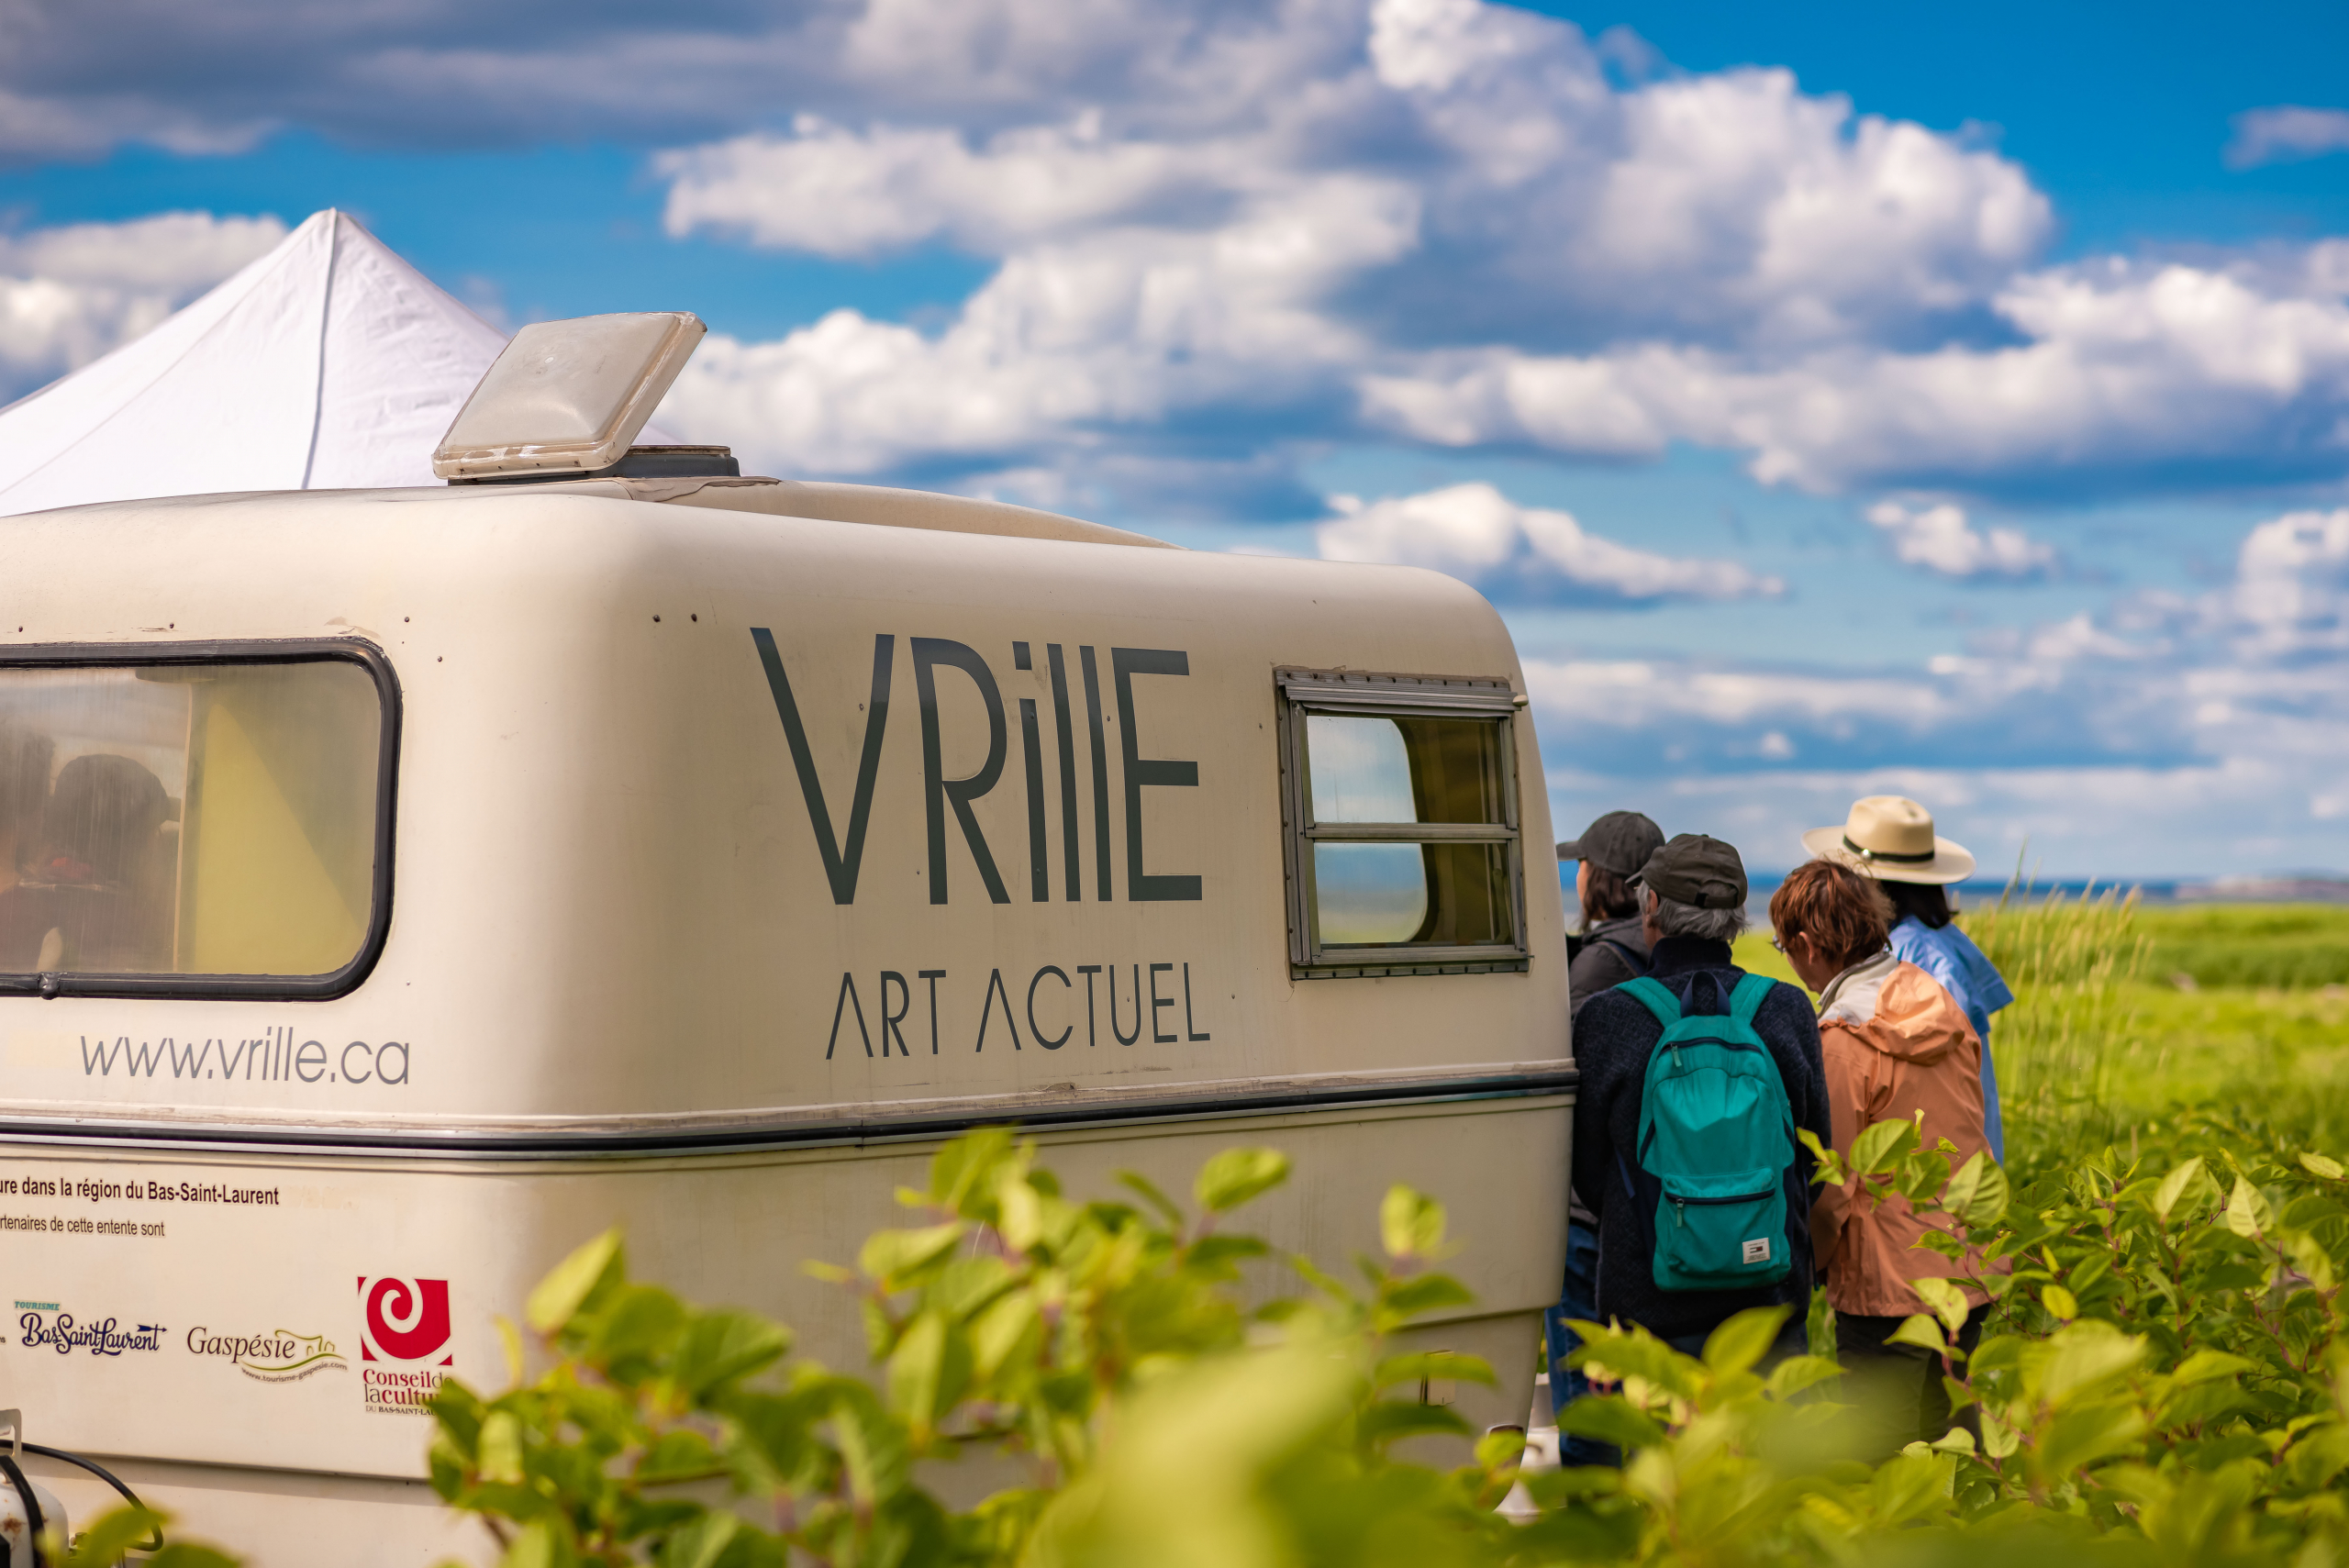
(1613, 946)
(1692, 900)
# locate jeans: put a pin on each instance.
(1579, 1299)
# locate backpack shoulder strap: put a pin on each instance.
(1656, 997)
(1746, 1000)
(1634, 958)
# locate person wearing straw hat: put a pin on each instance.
(1891, 838)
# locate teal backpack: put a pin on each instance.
(1716, 1145)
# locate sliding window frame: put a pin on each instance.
(1305, 692)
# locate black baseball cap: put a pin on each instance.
(1619, 841)
(1704, 874)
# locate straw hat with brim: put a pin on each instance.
(1891, 838)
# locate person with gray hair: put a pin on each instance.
(1692, 901)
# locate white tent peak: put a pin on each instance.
(330, 364)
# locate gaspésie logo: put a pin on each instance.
(282, 1355)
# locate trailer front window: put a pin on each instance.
(1401, 810)
(191, 824)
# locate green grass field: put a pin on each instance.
(2125, 1016)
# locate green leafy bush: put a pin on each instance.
(2163, 1382)
(1098, 1345)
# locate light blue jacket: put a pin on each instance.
(1950, 956)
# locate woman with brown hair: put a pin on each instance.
(1896, 1045)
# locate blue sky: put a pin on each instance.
(1832, 398)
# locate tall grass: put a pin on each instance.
(2073, 1031)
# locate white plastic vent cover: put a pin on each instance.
(568, 396)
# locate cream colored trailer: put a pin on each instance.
(406, 885)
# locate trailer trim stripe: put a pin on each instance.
(877, 1128)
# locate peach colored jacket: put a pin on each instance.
(1895, 1043)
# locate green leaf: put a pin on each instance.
(1744, 1339)
(111, 1534)
(700, 1543)
(1216, 1252)
(2322, 1165)
(890, 1256)
(1828, 1165)
(1937, 1241)
(1946, 1301)
(1614, 1353)
(2087, 1354)
(633, 1322)
(1795, 1374)
(2081, 1436)
(1167, 1208)
(1411, 1224)
(2318, 1457)
(2311, 1258)
(1609, 1419)
(501, 1448)
(928, 1369)
(2203, 1365)
(2248, 1213)
(1921, 1330)
(1913, 1486)
(190, 1555)
(1012, 1324)
(963, 1173)
(2060, 1302)
(719, 1348)
(1879, 1146)
(567, 1285)
(1390, 1420)
(1425, 1293)
(541, 1543)
(1501, 1449)
(2174, 1187)
(1236, 1176)
(1977, 1195)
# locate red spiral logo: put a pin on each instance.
(406, 1319)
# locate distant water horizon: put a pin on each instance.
(2277, 888)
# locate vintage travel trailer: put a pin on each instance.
(399, 886)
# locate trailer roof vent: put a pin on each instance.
(565, 398)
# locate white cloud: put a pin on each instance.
(1500, 245)
(841, 193)
(2291, 591)
(1477, 534)
(2287, 132)
(71, 292)
(2126, 374)
(1226, 230)
(1408, 182)
(1939, 539)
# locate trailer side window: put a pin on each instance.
(191, 824)
(1400, 804)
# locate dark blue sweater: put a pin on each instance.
(1614, 1035)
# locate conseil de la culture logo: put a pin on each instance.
(405, 1344)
